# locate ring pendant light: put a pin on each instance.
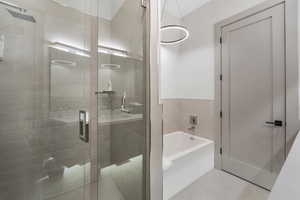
(174, 27)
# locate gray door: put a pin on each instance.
(253, 96)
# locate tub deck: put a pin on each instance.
(186, 159)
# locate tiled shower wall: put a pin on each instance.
(121, 141)
(176, 113)
(33, 144)
(114, 138)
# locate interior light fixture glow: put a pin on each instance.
(63, 62)
(112, 51)
(59, 2)
(103, 51)
(120, 54)
(110, 66)
(60, 48)
(183, 29)
(84, 52)
(69, 49)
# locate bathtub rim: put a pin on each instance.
(176, 156)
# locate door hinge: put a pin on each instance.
(221, 151)
(221, 77)
(221, 40)
(144, 3)
(221, 114)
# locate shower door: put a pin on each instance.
(122, 101)
(45, 101)
(253, 96)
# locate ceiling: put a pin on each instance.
(108, 8)
(186, 6)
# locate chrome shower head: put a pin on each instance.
(22, 16)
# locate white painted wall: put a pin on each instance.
(186, 6)
(169, 58)
(288, 181)
(287, 184)
(169, 71)
(191, 74)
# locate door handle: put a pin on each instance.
(84, 126)
(276, 123)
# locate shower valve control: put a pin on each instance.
(84, 126)
(194, 120)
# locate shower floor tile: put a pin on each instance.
(218, 185)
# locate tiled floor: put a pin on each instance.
(218, 185)
(215, 185)
(118, 182)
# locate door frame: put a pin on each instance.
(155, 175)
(291, 64)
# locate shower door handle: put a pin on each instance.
(84, 126)
(276, 123)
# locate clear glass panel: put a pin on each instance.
(121, 100)
(45, 67)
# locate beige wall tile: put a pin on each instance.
(176, 113)
(172, 116)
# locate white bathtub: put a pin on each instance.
(185, 159)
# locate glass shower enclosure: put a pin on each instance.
(122, 100)
(72, 100)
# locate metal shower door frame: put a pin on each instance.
(147, 6)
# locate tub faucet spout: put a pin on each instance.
(192, 129)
